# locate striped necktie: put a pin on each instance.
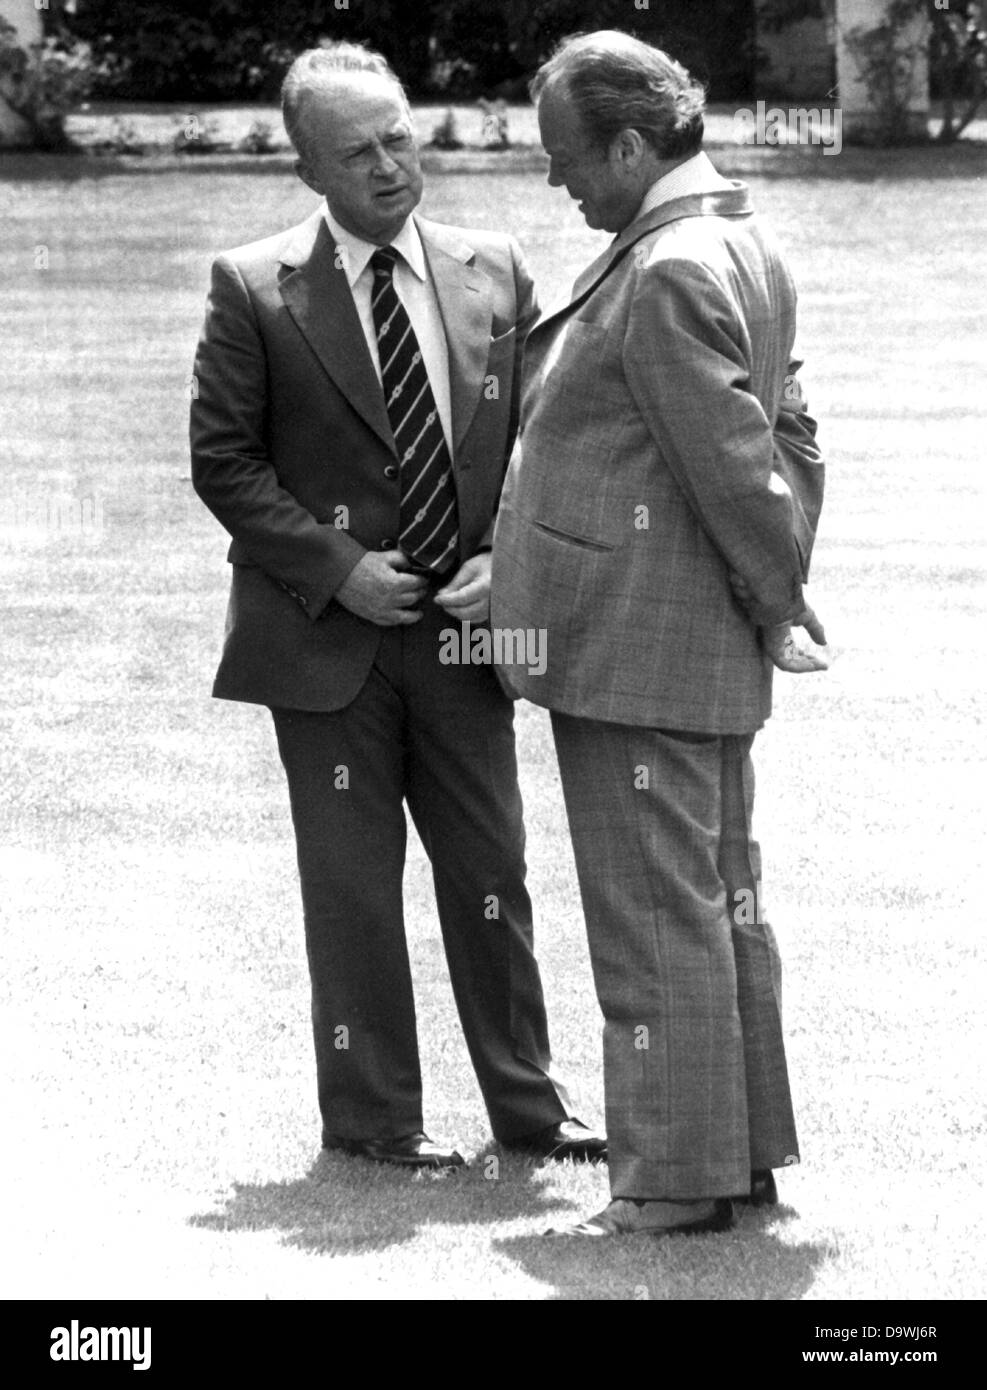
(429, 528)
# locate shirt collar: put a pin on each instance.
(694, 175)
(357, 252)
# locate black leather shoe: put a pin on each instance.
(569, 1139)
(409, 1151)
(627, 1217)
(763, 1191)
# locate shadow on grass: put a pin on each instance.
(965, 159)
(853, 164)
(750, 1262)
(23, 167)
(348, 1205)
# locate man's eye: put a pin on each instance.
(397, 140)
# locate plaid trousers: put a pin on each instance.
(688, 976)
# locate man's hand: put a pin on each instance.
(379, 589)
(788, 654)
(779, 642)
(812, 625)
(467, 595)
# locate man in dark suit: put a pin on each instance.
(666, 472)
(355, 408)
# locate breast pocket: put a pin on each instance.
(500, 354)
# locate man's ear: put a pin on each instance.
(307, 177)
(628, 148)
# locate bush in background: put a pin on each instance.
(224, 50)
(215, 50)
(45, 82)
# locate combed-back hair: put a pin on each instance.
(616, 83)
(314, 70)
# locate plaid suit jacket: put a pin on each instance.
(662, 446)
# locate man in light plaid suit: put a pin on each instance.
(658, 523)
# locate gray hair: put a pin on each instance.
(617, 83)
(314, 70)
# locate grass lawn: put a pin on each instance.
(161, 1136)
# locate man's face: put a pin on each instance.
(362, 155)
(607, 194)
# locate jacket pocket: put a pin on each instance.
(582, 542)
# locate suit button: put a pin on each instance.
(388, 545)
(391, 471)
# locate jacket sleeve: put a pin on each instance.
(231, 468)
(689, 379)
(799, 462)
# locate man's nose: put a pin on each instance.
(554, 180)
(385, 163)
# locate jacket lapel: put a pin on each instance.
(731, 202)
(465, 304)
(319, 300)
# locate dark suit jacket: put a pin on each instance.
(290, 442)
(659, 452)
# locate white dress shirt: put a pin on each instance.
(415, 291)
(695, 175)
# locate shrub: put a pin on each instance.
(45, 82)
(195, 136)
(445, 135)
(259, 139)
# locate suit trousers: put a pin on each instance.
(687, 973)
(440, 737)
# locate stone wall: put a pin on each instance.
(854, 98)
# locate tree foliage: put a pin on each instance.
(225, 49)
(44, 83)
(958, 55)
(957, 38)
(218, 50)
(203, 50)
(957, 49)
